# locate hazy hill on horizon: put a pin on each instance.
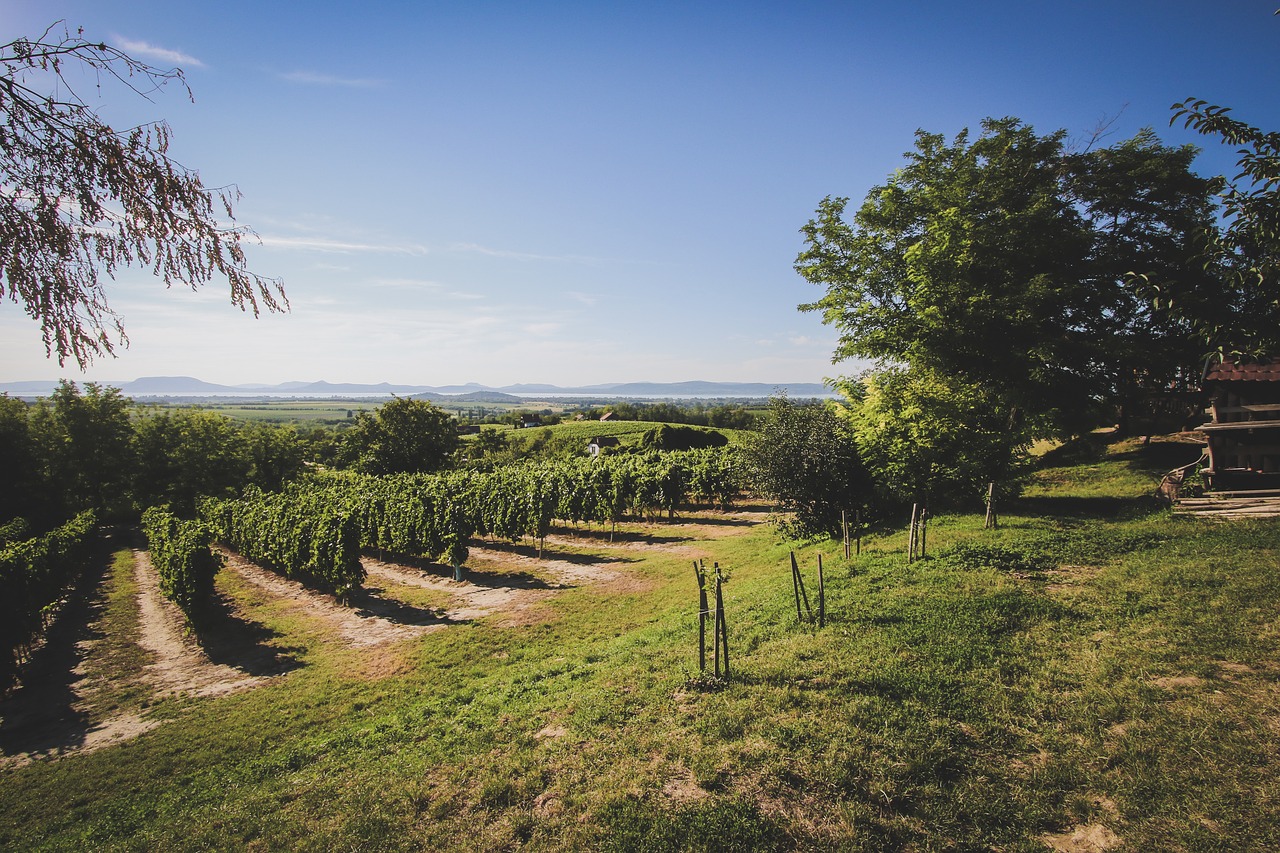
(189, 386)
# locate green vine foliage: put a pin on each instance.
(314, 532)
(301, 533)
(35, 575)
(182, 558)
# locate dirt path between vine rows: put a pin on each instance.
(55, 714)
(180, 665)
(370, 621)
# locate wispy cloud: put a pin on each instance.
(477, 249)
(312, 78)
(412, 283)
(151, 51)
(324, 244)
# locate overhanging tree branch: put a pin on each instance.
(79, 199)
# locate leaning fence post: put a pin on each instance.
(800, 581)
(990, 522)
(911, 536)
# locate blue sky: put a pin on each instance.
(575, 193)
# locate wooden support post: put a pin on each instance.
(723, 635)
(844, 525)
(715, 630)
(804, 594)
(822, 594)
(924, 529)
(990, 522)
(857, 532)
(795, 583)
(911, 536)
(703, 612)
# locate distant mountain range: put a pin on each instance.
(187, 386)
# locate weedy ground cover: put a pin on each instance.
(1095, 672)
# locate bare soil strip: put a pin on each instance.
(52, 713)
(180, 666)
(366, 624)
(468, 600)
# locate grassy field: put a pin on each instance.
(1094, 675)
(580, 432)
(306, 413)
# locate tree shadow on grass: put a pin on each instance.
(515, 580)
(1155, 457)
(1085, 508)
(229, 639)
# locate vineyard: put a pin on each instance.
(1035, 687)
(35, 575)
(315, 531)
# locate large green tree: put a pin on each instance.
(804, 457)
(84, 445)
(932, 438)
(79, 199)
(187, 454)
(403, 436)
(1003, 261)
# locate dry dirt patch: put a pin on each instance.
(1094, 838)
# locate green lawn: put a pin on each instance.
(1095, 668)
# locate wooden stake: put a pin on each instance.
(795, 583)
(807, 608)
(822, 594)
(723, 635)
(857, 529)
(702, 616)
(924, 528)
(844, 525)
(990, 523)
(911, 536)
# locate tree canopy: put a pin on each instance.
(932, 438)
(804, 457)
(1247, 248)
(403, 436)
(79, 199)
(1004, 261)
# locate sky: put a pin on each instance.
(587, 192)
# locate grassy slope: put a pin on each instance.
(1113, 671)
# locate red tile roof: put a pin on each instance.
(1257, 371)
